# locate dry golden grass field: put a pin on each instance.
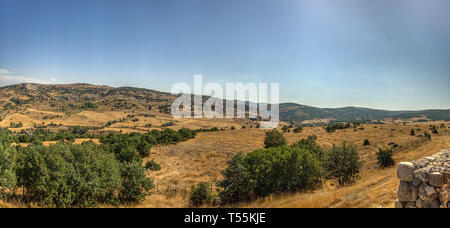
(203, 158)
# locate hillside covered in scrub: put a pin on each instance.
(75, 97)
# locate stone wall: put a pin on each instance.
(424, 183)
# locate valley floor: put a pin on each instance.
(202, 159)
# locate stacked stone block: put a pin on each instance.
(424, 183)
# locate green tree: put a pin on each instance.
(343, 164)
(311, 145)
(8, 178)
(135, 185)
(237, 185)
(128, 153)
(144, 148)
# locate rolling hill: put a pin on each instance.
(74, 97)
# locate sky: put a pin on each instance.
(382, 54)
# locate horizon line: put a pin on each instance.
(287, 102)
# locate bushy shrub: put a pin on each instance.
(338, 126)
(135, 185)
(187, 134)
(15, 125)
(66, 175)
(298, 129)
(343, 164)
(128, 153)
(413, 132)
(274, 138)
(311, 145)
(168, 124)
(88, 105)
(237, 185)
(152, 165)
(8, 178)
(282, 169)
(384, 158)
(266, 171)
(144, 148)
(167, 136)
(200, 195)
(232, 128)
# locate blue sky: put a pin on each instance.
(326, 53)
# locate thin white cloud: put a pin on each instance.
(6, 78)
(4, 71)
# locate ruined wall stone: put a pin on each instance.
(424, 183)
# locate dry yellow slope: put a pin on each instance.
(376, 188)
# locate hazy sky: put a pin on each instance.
(326, 53)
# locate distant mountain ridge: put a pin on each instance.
(69, 97)
(297, 113)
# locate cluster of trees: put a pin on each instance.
(339, 126)
(68, 175)
(135, 146)
(286, 168)
(37, 136)
(208, 129)
(109, 123)
(434, 129)
(88, 105)
(298, 129)
(15, 125)
(287, 128)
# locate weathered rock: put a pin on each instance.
(436, 179)
(416, 182)
(398, 204)
(422, 174)
(428, 187)
(431, 204)
(419, 203)
(405, 171)
(407, 192)
(427, 192)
